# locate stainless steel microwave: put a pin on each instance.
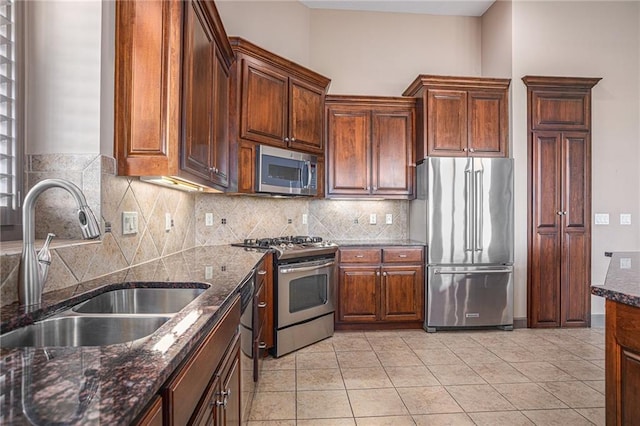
(281, 171)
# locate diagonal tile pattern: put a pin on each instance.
(409, 377)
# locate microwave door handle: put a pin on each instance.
(308, 174)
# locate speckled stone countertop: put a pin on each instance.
(113, 384)
(622, 283)
(377, 243)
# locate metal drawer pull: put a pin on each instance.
(262, 345)
(262, 305)
(262, 272)
(488, 271)
(359, 256)
(402, 255)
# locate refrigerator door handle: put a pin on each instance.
(479, 207)
(469, 216)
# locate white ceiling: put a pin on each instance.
(430, 7)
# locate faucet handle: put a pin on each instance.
(44, 258)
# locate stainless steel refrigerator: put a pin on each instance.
(464, 214)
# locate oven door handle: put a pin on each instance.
(305, 268)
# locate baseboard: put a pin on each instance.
(520, 322)
(597, 320)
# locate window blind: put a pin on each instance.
(11, 163)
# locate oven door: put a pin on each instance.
(305, 291)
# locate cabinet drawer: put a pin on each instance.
(185, 390)
(402, 254)
(360, 255)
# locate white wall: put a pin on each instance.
(281, 27)
(62, 77)
(496, 40)
(585, 39)
(379, 53)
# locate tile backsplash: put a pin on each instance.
(235, 217)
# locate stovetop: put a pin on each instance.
(292, 246)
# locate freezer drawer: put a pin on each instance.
(469, 296)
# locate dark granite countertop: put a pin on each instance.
(622, 283)
(377, 243)
(113, 384)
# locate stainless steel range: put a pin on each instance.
(304, 289)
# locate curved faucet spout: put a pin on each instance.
(31, 281)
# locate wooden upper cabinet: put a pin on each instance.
(461, 116)
(147, 83)
(281, 103)
(370, 146)
(172, 91)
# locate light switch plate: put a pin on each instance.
(602, 218)
(373, 219)
(388, 219)
(305, 219)
(208, 219)
(208, 272)
(167, 222)
(625, 218)
(129, 223)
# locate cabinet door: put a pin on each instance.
(198, 92)
(488, 124)
(263, 116)
(230, 389)
(446, 122)
(147, 84)
(392, 155)
(220, 147)
(348, 151)
(306, 114)
(402, 293)
(544, 291)
(358, 293)
(575, 219)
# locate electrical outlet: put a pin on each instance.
(167, 222)
(625, 219)
(305, 219)
(208, 272)
(602, 218)
(372, 219)
(129, 223)
(208, 219)
(625, 263)
(388, 219)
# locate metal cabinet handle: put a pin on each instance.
(464, 149)
(402, 255)
(262, 305)
(293, 139)
(286, 139)
(378, 274)
(384, 274)
(375, 188)
(359, 256)
(472, 150)
(561, 213)
(262, 272)
(262, 345)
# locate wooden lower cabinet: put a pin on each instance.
(622, 364)
(153, 415)
(206, 389)
(381, 287)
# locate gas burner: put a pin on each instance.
(291, 246)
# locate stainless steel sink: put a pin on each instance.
(82, 331)
(139, 301)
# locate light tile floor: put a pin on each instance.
(409, 377)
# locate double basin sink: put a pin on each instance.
(116, 316)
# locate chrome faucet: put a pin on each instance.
(34, 268)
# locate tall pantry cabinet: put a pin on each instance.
(559, 219)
